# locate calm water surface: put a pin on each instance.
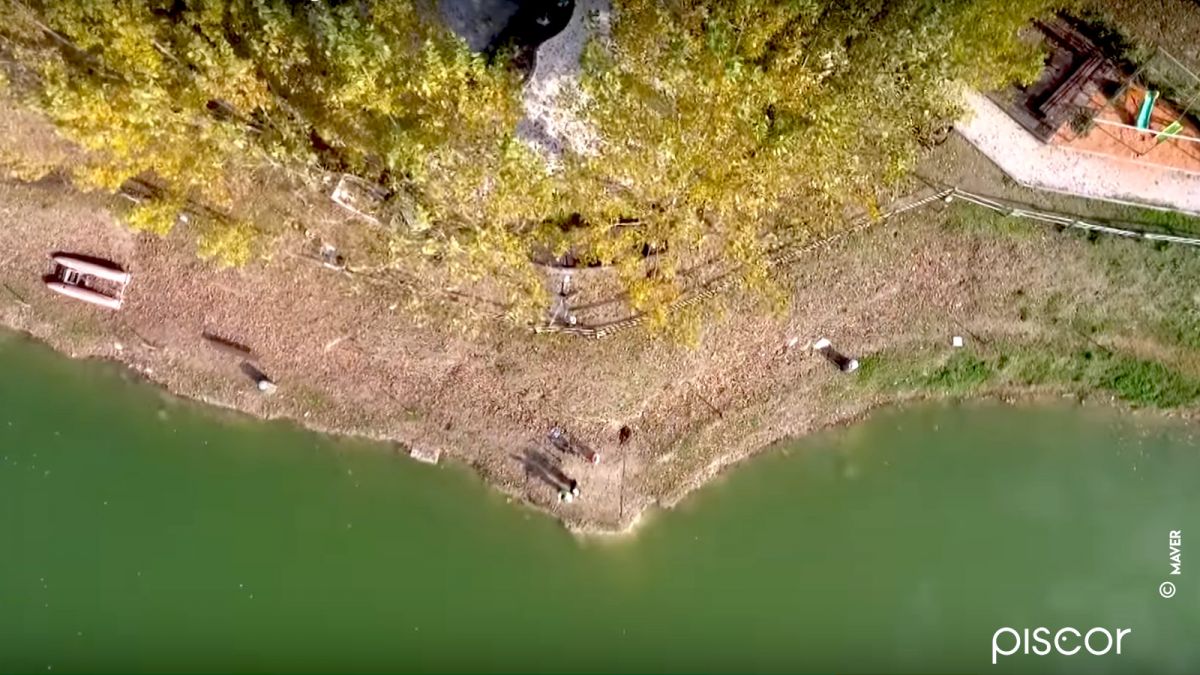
(141, 533)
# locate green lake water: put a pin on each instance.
(141, 533)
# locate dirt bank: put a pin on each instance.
(348, 358)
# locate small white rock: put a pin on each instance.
(425, 454)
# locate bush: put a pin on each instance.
(156, 216)
(1148, 383)
(229, 244)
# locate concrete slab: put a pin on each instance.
(1063, 169)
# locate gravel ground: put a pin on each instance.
(1060, 169)
(553, 96)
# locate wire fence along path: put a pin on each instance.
(1060, 220)
(724, 282)
(914, 201)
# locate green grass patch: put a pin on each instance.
(1155, 220)
(973, 219)
(961, 373)
(1151, 286)
(1136, 381)
(1148, 383)
(1159, 284)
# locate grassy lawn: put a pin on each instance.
(1154, 287)
(1128, 324)
(1174, 24)
(1139, 382)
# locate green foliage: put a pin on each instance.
(156, 216)
(121, 96)
(1148, 383)
(730, 124)
(977, 220)
(1134, 380)
(204, 93)
(229, 244)
(1172, 310)
(960, 373)
(1172, 222)
(726, 127)
(395, 96)
(963, 372)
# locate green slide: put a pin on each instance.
(1143, 120)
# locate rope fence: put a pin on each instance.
(1060, 220)
(910, 203)
(726, 281)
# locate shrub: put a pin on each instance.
(229, 244)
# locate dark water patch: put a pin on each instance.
(516, 27)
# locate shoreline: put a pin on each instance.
(351, 360)
(728, 464)
(1015, 398)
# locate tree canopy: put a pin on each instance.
(724, 125)
(201, 93)
(740, 121)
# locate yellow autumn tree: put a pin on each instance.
(726, 127)
(202, 94)
(735, 123)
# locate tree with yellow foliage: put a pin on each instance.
(726, 126)
(735, 123)
(201, 94)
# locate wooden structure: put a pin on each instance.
(92, 281)
(360, 198)
(1087, 102)
(1075, 72)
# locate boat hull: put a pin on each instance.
(84, 294)
(93, 269)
